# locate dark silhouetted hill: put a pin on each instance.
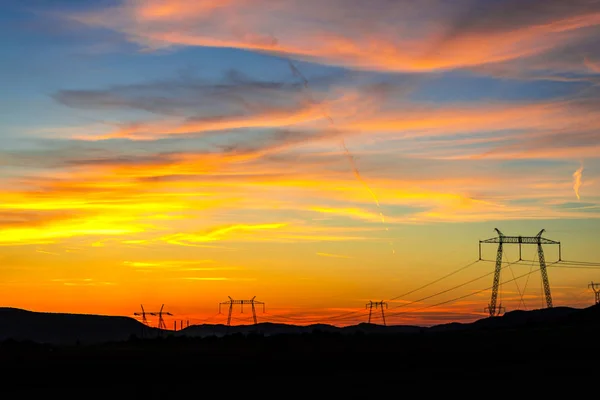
(57, 328)
(269, 329)
(547, 346)
(513, 320)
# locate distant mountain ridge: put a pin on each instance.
(60, 328)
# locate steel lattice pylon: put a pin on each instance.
(376, 304)
(596, 291)
(493, 308)
(231, 302)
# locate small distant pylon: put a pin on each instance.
(142, 314)
(376, 304)
(231, 302)
(596, 291)
(161, 321)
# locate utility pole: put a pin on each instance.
(596, 291)
(379, 304)
(538, 240)
(231, 302)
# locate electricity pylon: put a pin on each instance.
(145, 328)
(161, 321)
(596, 291)
(142, 314)
(231, 302)
(538, 240)
(379, 304)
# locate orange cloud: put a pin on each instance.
(217, 234)
(102, 225)
(398, 37)
(303, 115)
(150, 131)
(332, 255)
(532, 129)
(151, 200)
(591, 65)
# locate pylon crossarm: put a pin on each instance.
(233, 302)
(520, 239)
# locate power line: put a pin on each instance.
(356, 315)
(464, 296)
(576, 266)
(581, 262)
(522, 294)
(442, 292)
(527, 280)
(435, 281)
(352, 313)
(452, 288)
(361, 313)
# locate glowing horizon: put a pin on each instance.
(182, 152)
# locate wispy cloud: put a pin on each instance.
(82, 282)
(167, 264)
(196, 278)
(47, 252)
(577, 181)
(332, 255)
(387, 36)
(218, 233)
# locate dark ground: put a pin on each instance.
(561, 354)
(539, 354)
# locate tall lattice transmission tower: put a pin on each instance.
(493, 308)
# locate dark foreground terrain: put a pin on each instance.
(558, 348)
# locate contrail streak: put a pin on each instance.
(577, 181)
(296, 72)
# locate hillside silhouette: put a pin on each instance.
(67, 329)
(532, 345)
(70, 329)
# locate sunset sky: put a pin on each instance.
(315, 154)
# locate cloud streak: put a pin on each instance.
(332, 255)
(577, 181)
(386, 36)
